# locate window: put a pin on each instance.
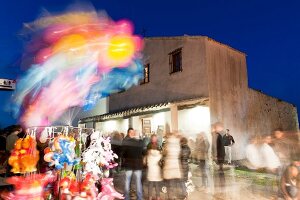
(146, 74)
(175, 61)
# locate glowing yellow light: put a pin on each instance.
(120, 49)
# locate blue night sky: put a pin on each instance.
(267, 31)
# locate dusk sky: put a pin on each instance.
(267, 31)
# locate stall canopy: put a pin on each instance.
(142, 110)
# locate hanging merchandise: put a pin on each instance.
(27, 187)
(61, 152)
(98, 157)
(108, 192)
(64, 181)
(24, 156)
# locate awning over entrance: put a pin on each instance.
(183, 104)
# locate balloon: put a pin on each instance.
(47, 150)
(80, 50)
(48, 156)
(43, 55)
(63, 153)
(124, 27)
(121, 50)
(44, 136)
(54, 33)
(65, 182)
(24, 156)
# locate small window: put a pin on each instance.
(146, 74)
(175, 60)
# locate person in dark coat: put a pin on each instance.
(220, 145)
(3, 155)
(185, 155)
(132, 158)
(116, 147)
(2, 142)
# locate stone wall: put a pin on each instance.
(266, 113)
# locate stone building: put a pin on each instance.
(191, 82)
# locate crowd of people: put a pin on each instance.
(277, 153)
(166, 161)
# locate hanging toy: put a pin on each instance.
(73, 189)
(62, 152)
(108, 191)
(98, 156)
(88, 188)
(24, 156)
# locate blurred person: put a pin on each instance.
(3, 155)
(254, 160)
(146, 141)
(270, 159)
(261, 155)
(192, 145)
(12, 138)
(214, 141)
(153, 160)
(154, 143)
(290, 189)
(289, 184)
(132, 158)
(122, 135)
(22, 134)
(228, 143)
(116, 147)
(2, 141)
(172, 167)
(184, 156)
(201, 151)
(43, 166)
(282, 146)
(220, 145)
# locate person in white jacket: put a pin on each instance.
(154, 174)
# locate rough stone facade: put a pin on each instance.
(266, 113)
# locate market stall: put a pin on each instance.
(78, 162)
